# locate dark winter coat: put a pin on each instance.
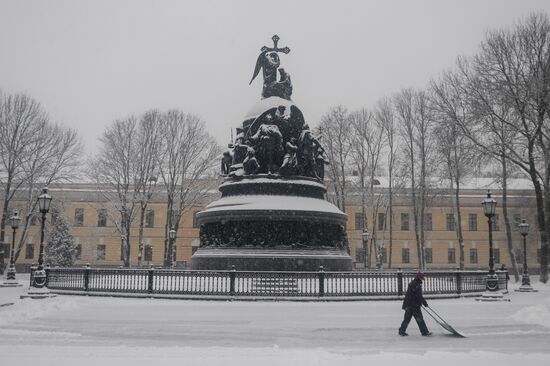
(413, 297)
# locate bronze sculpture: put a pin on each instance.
(280, 140)
(272, 214)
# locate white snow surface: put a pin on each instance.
(78, 330)
(272, 202)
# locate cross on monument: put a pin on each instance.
(275, 39)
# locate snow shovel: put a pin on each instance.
(439, 320)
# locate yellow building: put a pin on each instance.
(99, 243)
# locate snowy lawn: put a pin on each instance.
(74, 330)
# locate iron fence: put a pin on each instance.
(247, 284)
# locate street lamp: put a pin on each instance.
(525, 281)
(365, 238)
(172, 236)
(11, 281)
(39, 278)
(489, 207)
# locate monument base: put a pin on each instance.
(492, 296)
(245, 259)
(526, 288)
(38, 293)
(10, 283)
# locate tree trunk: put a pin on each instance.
(140, 235)
(506, 217)
(459, 223)
(391, 219)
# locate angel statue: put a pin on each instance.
(269, 61)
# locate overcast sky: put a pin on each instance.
(91, 62)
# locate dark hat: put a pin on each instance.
(420, 275)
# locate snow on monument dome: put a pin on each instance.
(266, 104)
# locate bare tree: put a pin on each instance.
(20, 119)
(116, 173)
(508, 82)
(33, 153)
(366, 141)
(459, 155)
(148, 162)
(416, 126)
(189, 156)
(54, 156)
(384, 114)
(335, 132)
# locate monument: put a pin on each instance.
(273, 215)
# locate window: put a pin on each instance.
(148, 254)
(538, 255)
(54, 215)
(519, 255)
(496, 223)
(360, 255)
(78, 217)
(359, 221)
(428, 226)
(29, 251)
(149, 218)
(34, 219)
(78, 252)
(517, 221)
(496, 255)
(100, 255)
(195, 222)
(405, 222)
(428, 255)
(405, 255)
(451, 223)
(384, 253)
(451, 255)
(473, 255)
(381, 221)
(6, 249)
(472, 222)
(102, 217)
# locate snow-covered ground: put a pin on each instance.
(74, 330)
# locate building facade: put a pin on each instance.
(99, 242)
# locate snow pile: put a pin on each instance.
(536, 314)
(31, 309)
(214, 356)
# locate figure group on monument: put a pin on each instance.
(274, 148)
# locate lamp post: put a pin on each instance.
(39, 288)
(365, 238)
(172, 236)
(11, 281)
(492, 292)
(525, 281)
(489, 207)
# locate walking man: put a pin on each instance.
(412, 303)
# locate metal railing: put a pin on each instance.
(247, 284)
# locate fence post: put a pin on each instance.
(150, 278)
(399, 282)
(47, 270)
(321, 281)
(33, 269)
(458, 281)
(87, 277)
(232, 276)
